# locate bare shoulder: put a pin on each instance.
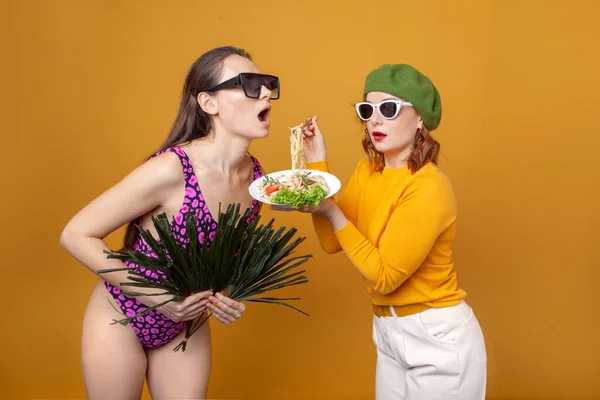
(198, 154)
(162, 170)
(147, 187)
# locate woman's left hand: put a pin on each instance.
(329, 209)
(225, 309)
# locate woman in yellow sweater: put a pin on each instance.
(396, 221)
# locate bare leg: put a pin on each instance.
(114, 363)
(181, 375)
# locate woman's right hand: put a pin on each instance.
(187, 309)
(313, 142)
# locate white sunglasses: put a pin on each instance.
(388, 109)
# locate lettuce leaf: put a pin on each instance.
(298, 199)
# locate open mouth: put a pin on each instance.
(263, 115)
(378, 135)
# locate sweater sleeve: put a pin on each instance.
(348, 203)
(425, 210)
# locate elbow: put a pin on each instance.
(329, 246)
(331, 249)
(389, 282)
(68, 238)
(383, 289)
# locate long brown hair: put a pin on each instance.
(424, 149)
(191, 122)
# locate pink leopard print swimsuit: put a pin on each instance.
(155, 329)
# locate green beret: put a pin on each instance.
(406, 82)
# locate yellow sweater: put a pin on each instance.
(399, 234)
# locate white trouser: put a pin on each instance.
(438, 354)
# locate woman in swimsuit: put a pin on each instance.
(203, 162)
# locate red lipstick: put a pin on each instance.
(378, 136)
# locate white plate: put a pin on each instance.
(333, 183)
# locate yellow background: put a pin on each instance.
(90, 88)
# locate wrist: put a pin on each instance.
(331, 213)
(336, 217)
(316, 158)
(148, 301)
(151, 301)
(328, 208)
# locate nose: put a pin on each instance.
(376, 119)
(264, 92)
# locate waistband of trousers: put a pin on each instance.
(401, 311)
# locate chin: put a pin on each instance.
(380, 147)
(388, 148)
(262, 133)
(256, 134)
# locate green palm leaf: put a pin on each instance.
(245, 259)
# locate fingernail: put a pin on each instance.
(219, 295)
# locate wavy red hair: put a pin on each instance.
(424, 149)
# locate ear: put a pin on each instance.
(420, 124)
(208, 103)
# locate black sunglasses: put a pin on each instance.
(252, 84)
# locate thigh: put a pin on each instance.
(445, 356)
(181, 375)
(474, 362)
(113, 361)
(390, 376)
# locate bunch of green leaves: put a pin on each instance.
(244, 260)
